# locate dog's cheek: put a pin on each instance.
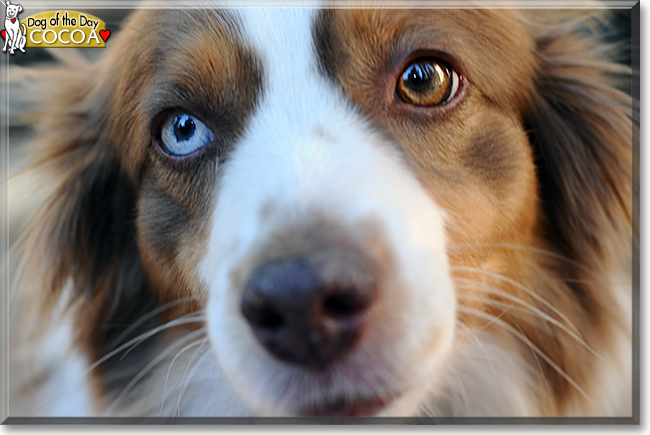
(172, 241)
(499, 166)
(480, 168)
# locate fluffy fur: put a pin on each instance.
(498, 224)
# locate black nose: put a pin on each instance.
(310, 310)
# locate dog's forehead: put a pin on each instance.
(270, 27)
(224, 63)
(493, 48)
(281, 39)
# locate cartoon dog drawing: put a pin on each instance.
(13, 35)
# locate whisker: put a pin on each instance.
(183, 320)
(535, 349)
(539, 364)
(171, 365)
(535, 250)
(496, 318)
(521, 287)
(182, 387)
(140, 338)
(165, 354)
(485, 355)
(480, 286)
(533, 310)
(153, 313)
(176, 322)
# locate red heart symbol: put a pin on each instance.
(13, 20)
(104, 34)
(3, 33)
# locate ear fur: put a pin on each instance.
(580, 126)
(84, 239)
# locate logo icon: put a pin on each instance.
(15, 32)
(59, 28)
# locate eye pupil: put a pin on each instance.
(419, 75)
(181, 134)
(426, 82)
(184, 128)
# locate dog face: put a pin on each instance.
(314, 198)
(364, 204)
(13, 10)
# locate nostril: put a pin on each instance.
(344, 303)
(278, 294)
(263, 317)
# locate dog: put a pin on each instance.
(15, 38)
(332, 213)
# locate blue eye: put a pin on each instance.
(182, 134)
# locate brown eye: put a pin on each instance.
(427, 82)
